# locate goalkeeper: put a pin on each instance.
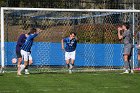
(127, 38)
(70, 50)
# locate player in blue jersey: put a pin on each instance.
(70, 50)
(20, 42)
(127, 38)
(26, 48)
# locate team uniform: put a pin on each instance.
(70, 48)
(128, 42)
(26, 47)
(20, 42)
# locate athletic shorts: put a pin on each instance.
(26, 55)
(70, 55)
(18, 54)
(128, 49)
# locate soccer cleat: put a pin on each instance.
(1, 71)
(70, 66)
(131, 71)
(126, 72)
(70, 71)
(18, 73)
(27, 72)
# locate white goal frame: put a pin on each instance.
(54, 9)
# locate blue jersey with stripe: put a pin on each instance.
(28, 43)
(70, 44)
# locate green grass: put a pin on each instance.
(95, 82)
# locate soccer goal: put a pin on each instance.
(98, 45)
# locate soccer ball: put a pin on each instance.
(14, 60)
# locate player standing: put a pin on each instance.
(26, 49)
(127, 38)
(70, 50)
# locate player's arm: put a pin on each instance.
(62, 43)
(36, 34)
(119, 33)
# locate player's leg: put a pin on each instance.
(28, 63)
(127, 53)
(126, 63)
(19, 57)
(26, 68)
(130, 60)
(25, 56)
(67, 59)
(72, 57)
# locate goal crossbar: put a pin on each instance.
(71, 10)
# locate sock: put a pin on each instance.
(26, 67)
(68, 65)
(126, 65)
(26, 70)
(130, 64)
(138, 63)
(21, 67)
(72, 64)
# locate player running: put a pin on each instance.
(70, 50)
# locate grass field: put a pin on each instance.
(95, 82)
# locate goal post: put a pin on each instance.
(96, 29)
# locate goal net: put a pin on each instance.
(98, 45)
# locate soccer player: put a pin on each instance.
(20, 42)
(138, 47)
(127, 38)
(70, 50)
(26, 48)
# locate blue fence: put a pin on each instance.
(45, 53)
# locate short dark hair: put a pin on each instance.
(72, 33)
(32, 30)
(126, 24)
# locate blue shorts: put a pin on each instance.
(18, 54)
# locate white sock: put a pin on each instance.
(21, 67)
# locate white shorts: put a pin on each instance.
(70, 55)
(26, 55)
